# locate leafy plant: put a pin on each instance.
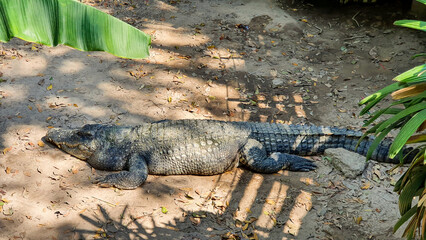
(68, 22)
(416, 24)
(407, 113)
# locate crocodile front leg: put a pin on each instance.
(137, 174)
(254, 157)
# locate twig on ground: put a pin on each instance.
(353, 18)
(111, 204)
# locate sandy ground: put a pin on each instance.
(229, 60)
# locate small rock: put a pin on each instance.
(373, 52)
(277, 82)
(274, 73)
(350, 164)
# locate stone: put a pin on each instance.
(350, 164)
(277, 82)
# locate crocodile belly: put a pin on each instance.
(203, 157)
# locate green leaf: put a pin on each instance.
(374, 98)
(422, 1)
(378, 113)
(377, 141)
(405, 218)
(68, 22)
(402, 114)
(406, 132)
(419, 25)
(414, 72)
(419, 55)
(410, 190)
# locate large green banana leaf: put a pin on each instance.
(68, 22)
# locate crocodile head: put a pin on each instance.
(80, 143)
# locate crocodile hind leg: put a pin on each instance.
(137, 174)
(254, 157)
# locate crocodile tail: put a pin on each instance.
(311, 140)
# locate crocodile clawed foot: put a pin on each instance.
(102, 182)
(115, 180)
(304, 166)
(299, 164)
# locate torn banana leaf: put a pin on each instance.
(68, 22)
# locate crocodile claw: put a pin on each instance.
(102, 182)
(299, 164)
(115, 180)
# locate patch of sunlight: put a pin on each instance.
(10, 138)
(250, 193)
(263, 118)
(166, 35)
(15, 93)
(71, 67)
(302, 205)
(27, 67)
(164, 6)
(273, 203)
(299, 111)
(59, 51)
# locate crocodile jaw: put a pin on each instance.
(70, 142)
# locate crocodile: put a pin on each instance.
(202, 147)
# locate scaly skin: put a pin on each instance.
(201, 147)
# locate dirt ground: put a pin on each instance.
(241, 60)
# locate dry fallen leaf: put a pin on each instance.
(255, 237)
(366, 186)
(74, 170)
(358, 220)
(195, 221)
(39, 109)
(245, 227)
(172, 228)
(187, 195)
(8, 149)
(299, 111)
(251, 220)
(270, 201)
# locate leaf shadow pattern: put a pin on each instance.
(239, 205)
(107, 227)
